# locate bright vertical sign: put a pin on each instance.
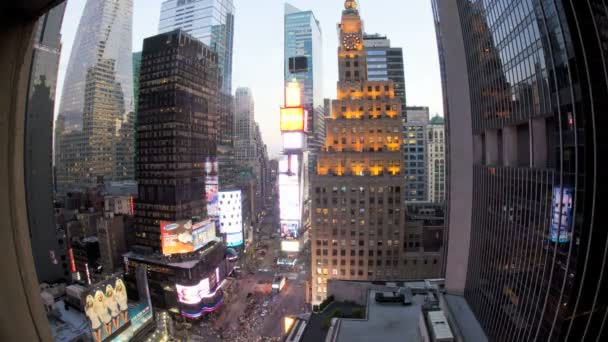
(293, 95)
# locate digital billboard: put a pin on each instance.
(193, 294)
(231, 220)
(290, 229)
(234, 239)
(176, 237)
(212, 186)
(290, 246)
(203, 233)
(289, 198)
(107, 309)
(294, 141)
(561, 219)
(293, 119)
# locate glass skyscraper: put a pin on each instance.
(94, 131)
(211, 22)
(303, 62)
(526, 96)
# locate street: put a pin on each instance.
(252, 311)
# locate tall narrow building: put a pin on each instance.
(415, 150)
(303, 59)
(94, 134)
(526, 92)
(435, 157)
(358, 230)
(244, 124)
(177, 132)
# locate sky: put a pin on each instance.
(258, 48)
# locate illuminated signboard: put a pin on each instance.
(193, 294)
(212, 187)
(107, 310)
(294, 140)
(290, 229)
(289, 198)
(176, 237)
(293, 95)
(203, 233)
(290, 246)
(231, 220)
(561, 220)
(293, 119)
(234, 239)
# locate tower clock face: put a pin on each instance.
(351, 41)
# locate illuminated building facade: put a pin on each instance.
(177, 132)
(358, 214)
(95, 125)
(526, 98)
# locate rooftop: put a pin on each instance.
(385, 322)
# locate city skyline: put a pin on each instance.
(409, 26)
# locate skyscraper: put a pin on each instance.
(94, 133)
(211, 22)
(303, 62)
(415, 149)
(177, 132)
(48, 253)
(386, 63)
(244, 131)
(435, 157)
(358, 229)
(526, 89)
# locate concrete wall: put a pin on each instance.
(461, 147)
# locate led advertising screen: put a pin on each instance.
(107, 309)
(203, 233)
(561, 220)
(176, 237)
(193, 294)
(234, 239)
(290, 229)
(290, 246)
(293, 119)
(289, 198)
(293, 141)
(212, 186)
(231, 220)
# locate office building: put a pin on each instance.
(209, 21)
(175, 135)
(94, 133)
(415, 149)
(525, 84)
(435, 148)
(49, 255)
(358, 211)
(111, 236)
(303, 60)
(386, 63)
(244, 147)
(136, 70)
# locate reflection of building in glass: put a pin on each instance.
(415, 149)
(49, 255)
(303, 62)
(358, 212)
(94, 133)
(177, 132)
(526, 88)
(436, 160)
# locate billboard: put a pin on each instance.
(289, 198)
(231, 220)
(290, 229)
(107, 309)
(202, 233)
(561, 219)
(290, 246)
(294, 141)
(234, 239)
(193, 294)
(293, 119)
(176, 237)
(212, 186)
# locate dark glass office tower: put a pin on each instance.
(49, 254)
(527, 93)
(177, 131)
